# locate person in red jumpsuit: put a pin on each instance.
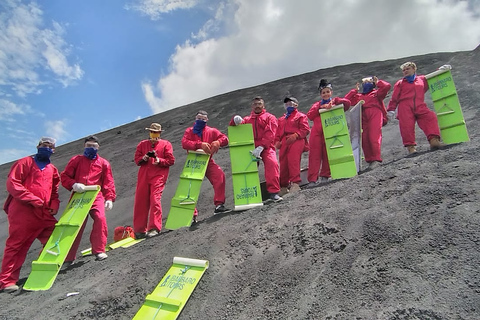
(32, 202)
(372, 91)
(154, 156)
(264, 129)
(210, 140)
(317, 157)
(90, 169)
(290, 138)
(408, 98)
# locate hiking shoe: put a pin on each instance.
(152, 233)
(221, 209)
(140, 235)
(275, 197)
(66, 265)
(373, 165)
(10, 288)
(283, 191)
(101, 256)
(312, 184)
(323, 179)
(294, 187)
(194, 220)
(435, 143)
(411, 149)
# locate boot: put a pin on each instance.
(412, 149)
(435, 143)
(283, 191)
(294, 187)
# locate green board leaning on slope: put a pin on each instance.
(337, 140)
(188, 190)
(246, 183)
(447, 106)
(170, 296)
(45, 269)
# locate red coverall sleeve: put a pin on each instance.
(269, 132)
(168, 158)
(67, 176)
(188, 143)
(352, 96)
(54, 200)
(345, 102)
(15, 179)
(425, 83)
(221, 137)
(392, 105)
(139, 153)
(383, 88)
(280, 131)
(313, 112)
(108, 185)
(303, 127)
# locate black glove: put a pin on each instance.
(151, 154)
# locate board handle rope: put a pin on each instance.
(77, 205)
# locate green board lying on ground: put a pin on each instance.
(124, 243)
(447, 107)
(337, 140)
(246, 183)
(355, 131)
(188, 190)
(45, 269)
(170, 296)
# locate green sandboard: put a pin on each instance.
(123, 243)
(188, 190)
(246, 182)
(46, 267)
(337, 140)
(170, 296)
(447, 107)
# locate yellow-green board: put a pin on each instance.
(188, 190)
(447, 107)
(45, 269)
(170, 296)
(337, 140)
(246, 182)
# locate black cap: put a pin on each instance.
(92, 138)
(290, 99)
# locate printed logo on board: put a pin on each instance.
(177, 282)
(78, 203)
(195, 164)
(248, 192)
(440, 84)
(333, 120)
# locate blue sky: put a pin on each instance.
(73, 68)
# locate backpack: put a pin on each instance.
(123, 232)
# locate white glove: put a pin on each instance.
(445, 67)
(108, 205)
(78, 187)
(237, 120)
(257, 151)
(391, 115)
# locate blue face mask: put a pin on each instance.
(198, 127)
(411, 78)
(325, 101)
(289, 111)
(90, 153)
(42, 158)
(367, 87)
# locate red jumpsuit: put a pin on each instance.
(32, 192)
(264, 129)
(317, 157)
(81, 169)
(291, 153)
(373, 113)
(410, 100)
(214, 173)
(150, 184)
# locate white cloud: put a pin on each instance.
(267, 40)
(28, 48)
(9, 109)
(56, 129)
(154, 8)
(8, 155)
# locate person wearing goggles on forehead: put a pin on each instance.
(85, 170)
(408, 99)
(290, 138)
(32, 202)
(154, 156)
(264, 129)
(210, 140)
(317, 157)
(374, 115)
